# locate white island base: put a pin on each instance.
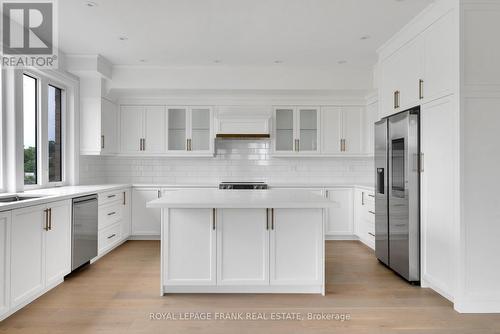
(232, 242)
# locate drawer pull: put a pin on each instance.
(112, 213)
(370, 195)
(371, 234)
(111, 196)
(371, 212)
(112, 236)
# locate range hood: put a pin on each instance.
(243, 123)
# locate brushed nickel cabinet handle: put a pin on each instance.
(363, 198)
(102, 141)
(46, 227)
(370, 195)
(112, 236)
(272, 219)
(371, 212)
(144, 144)
(421, 162)
(111, 196)
(421, 89)
(396, 99)
(50, 219)
(140, 144)
(267, 219)
(112, 213)
(214, 218)
(371, 234)
(124, 198)
(159, 194)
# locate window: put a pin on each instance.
(30, 110)
(55, 133)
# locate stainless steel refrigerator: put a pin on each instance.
(397, 193)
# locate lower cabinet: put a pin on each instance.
(339, 222)
(234, 249)
(114, 219)
(242, 246)
(40, 249)
(5, 228)
(145, 222)
(189, 247)
(364, 216)
(296, 247)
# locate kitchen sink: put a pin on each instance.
(16, 198)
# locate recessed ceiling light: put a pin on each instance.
(143, 60)
(365, 37)
(91, 4)
(342, 62)
(217, 61)
(278, 61)
(123, 38)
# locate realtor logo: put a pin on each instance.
(28, 34)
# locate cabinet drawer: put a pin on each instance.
(110, 214)
(112, 197)
(109, 237)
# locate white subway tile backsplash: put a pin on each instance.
(236, 160)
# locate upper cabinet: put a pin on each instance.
(98, 119)
(419, 71)
(190, 130)
(341, 129)
(143, 129)
(296, 130)
(161, 130)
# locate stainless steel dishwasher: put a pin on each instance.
(84, 230)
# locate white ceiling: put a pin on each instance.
(311, 33)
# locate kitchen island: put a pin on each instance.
(240, 241)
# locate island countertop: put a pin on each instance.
(219, 199)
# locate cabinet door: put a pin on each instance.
(5, 226)
(409, 72)
(284, 125)
(340, 219)
(439, 121)
(369, 131)
(27, 254)
(201, 129)
(145, 222)
(58, 242)
(308, 129)
(109, 123)
(177, 128)
(297, 247)
(126, 217)
(193, 262)
(352, 119)
(242, 247)
(331, 130)
(155, 123)
(131, 128)
(438, 60)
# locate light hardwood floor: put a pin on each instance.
(118, 293)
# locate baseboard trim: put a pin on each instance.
(301, 289)
(144, 237)
(341, 237)
(478, 306)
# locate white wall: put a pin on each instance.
(234, 160)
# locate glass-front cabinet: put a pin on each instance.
(190, 130)
(296, 130)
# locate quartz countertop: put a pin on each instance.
(214, 198)
(57, 194)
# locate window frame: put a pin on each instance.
(43, 83)
(38, 144)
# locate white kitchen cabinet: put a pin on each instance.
(242, 246)
(58, 242)
(296, 247)
(193, 262)
(27, 254)
(190, 130)
(40, 249)
(5, 230)
(439, 183)
(364, 216)
(127, 214)
(339, 220)
(98, 126)
(341, 130)
(142, 129)
(439, 67)
(296, 130)
(145, 222)
(369, 127)
(109, 124)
